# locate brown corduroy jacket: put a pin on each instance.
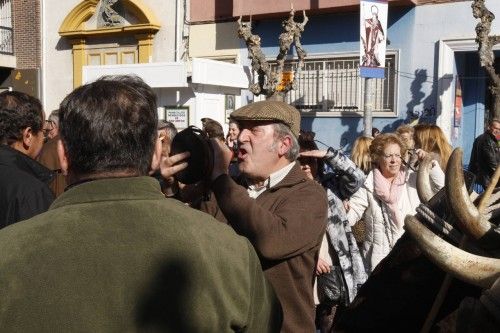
(285, 224)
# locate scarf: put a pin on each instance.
(390, 193)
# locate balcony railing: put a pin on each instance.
(333, 85)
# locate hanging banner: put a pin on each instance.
(373, 30)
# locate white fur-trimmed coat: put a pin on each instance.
(381, 233)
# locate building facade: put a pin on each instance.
(431, 65)
(20, 46)
(190, 53)
(86, 39)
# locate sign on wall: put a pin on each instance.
(373, 30)
(177, 115)
(229, 106)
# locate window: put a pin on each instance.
(6, 41)
(332, 86)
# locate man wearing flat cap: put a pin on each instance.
(279, 210)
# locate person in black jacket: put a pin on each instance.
(485, 154)
(24, 190)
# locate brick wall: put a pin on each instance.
(27, 34)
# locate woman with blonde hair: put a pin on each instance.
(360, 154)
(431, 139)
(386, 197)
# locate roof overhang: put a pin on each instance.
(157, 75)
(266, 8)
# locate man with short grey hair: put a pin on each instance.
(485, 155)
(53, 121)
(280, 211)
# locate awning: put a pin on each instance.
(157, 75)
(220, 73)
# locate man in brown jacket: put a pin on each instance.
(282, 213)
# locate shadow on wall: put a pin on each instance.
(348, 137)
(420, 109)
(63, 44)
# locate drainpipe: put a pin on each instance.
(178, 22)
(43, 65)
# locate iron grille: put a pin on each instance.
(333, 84)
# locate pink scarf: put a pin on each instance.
(390, 192)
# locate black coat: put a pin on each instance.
(484, 158)
(24, 192)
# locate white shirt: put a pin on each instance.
(255, 190)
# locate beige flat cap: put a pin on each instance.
(270, 111)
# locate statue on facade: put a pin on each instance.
(109, 14)
(270, 80)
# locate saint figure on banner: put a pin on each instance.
(374, 35)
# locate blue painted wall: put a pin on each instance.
(415, 33)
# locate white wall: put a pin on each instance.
(57, 62)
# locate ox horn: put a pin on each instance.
(424, 188)
(473, 269)
(469, 219)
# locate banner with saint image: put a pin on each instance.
(373, 36)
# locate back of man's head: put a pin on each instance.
(18, 111)
(213, 128)
(109, 126)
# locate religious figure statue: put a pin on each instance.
(374, 35)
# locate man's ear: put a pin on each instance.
(63, 160)
(285, 145)
(155, 161)
(27, 138)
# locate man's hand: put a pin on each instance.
(307, 170)
(322, 267)
(170, 165)
(222, 158)
(421, 154)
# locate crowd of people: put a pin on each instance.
(99, 233)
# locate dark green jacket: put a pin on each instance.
(114, 255)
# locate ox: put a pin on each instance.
(401, 291)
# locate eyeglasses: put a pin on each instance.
(389, 157)
(49, 126)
